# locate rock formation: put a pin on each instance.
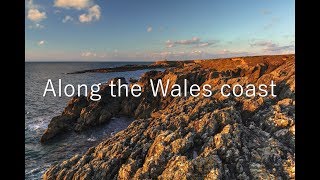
(191, 137)
(158, 64)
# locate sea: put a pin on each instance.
(40, 110)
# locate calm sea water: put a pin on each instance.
(39, 110)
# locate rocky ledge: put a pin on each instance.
(135, 67)
(191, 137)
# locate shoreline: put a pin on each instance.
(132, 67)
(161, 64)
(187, 130)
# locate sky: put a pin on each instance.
(149, 30)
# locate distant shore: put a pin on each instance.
(158, 64)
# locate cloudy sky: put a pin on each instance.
(139, 30)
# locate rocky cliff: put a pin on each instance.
(191, 137)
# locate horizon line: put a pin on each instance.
(126, 61)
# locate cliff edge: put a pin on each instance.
(190, 137)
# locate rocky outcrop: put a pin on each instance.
(135, 67)
(81, 113)
(193, 137)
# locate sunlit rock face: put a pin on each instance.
(189, 137)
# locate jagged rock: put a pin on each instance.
(192, 137)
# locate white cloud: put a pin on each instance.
(194, 41)
(280, 49)
(93, 10)
(263, 44)
(36, 26)
(33, 12)
(196, 52)
(67, 18)
(169, 43)
(42, 42)
(149, 29)
(270, 47)
(39, 26)
(206, 44)
(35, 15)
(93, 14)
(203, 44)
(88, 54)
(102, 55)
(76, 4)
(30, 5)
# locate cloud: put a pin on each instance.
(93, 10)
(30, 5)
(149, 29)
(88, 54)
(42, 42)
(169, 43)
(263, 44)
(270, 47)
(205, 44)
(39, 26)
(195, 41)
(279, 49)
(76, 4)
(232, 53)
(35, 15)
(67, 18)
(197, 54)
(93, 14)
(36, 26)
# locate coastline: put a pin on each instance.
(213, 137)
(134, 67)
(40, 110)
